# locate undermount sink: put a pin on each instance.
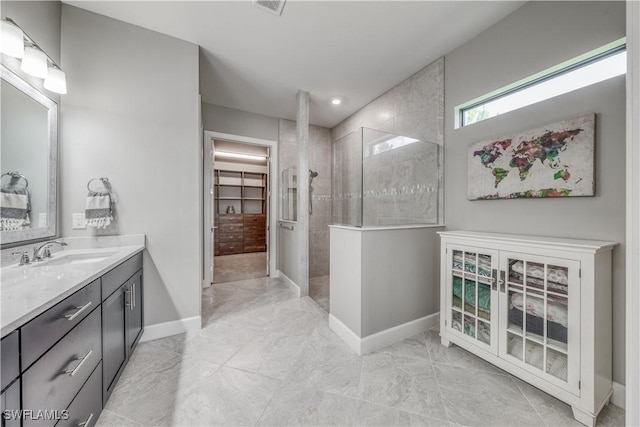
(76, 258)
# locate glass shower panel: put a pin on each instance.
(383, 179)
(347, 180)
(400, 180)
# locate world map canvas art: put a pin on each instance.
(555, 160)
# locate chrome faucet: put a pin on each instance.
(42, 252)
(24, 257)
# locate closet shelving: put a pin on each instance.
(539, 308)
(240, 204)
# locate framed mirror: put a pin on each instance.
(28, 157)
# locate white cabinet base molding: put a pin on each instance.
(539, 308)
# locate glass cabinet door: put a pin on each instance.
(540, 300)
(471, 302)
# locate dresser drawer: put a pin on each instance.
(230, 248)
(10, 358)
(120, 274)
(254, 219)
(230, 219)
(87, 405)
(53, 381)
(230, 228)
(254, 247)
(230, 237)
(254, 229)
(45, 330)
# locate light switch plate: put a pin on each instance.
(78, 221)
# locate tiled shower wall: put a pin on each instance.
(413, 108)
(320, 195)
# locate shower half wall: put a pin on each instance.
(383, 242)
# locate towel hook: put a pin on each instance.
(105, 183)
(17, 176)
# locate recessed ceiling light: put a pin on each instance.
(336, 101)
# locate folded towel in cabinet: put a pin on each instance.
(15, 207)
(98, 211)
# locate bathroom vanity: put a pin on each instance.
(69, 327)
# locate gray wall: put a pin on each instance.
(535, 37)
(288, 242)
(227, 120)
(320, 195)
(131, 115)
(413, 108)
(41, 20)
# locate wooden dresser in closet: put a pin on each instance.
(229, 237)
(255, 233)
(240, 233)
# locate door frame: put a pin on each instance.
(272, 192)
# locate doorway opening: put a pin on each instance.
(239, 211)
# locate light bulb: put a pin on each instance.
(56, 81)
(12, 41)
(34, 62)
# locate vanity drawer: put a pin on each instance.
(230, 248)
(45, 330)
(87, 405)
(10, 358)
(120, 274)
(230, 237)
(10, 401)
(54, 380)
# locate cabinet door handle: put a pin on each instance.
(133, 295)
(494, 279)
(86, 423)
(82, 359)
(502, 280)
(77, 313)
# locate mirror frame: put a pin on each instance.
(9, 237)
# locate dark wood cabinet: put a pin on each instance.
(68, 359)
(122, 321)
(135, 313)
(113, 340)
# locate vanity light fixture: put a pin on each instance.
(239, 156)
(17, 43)
(12, 40)
(34, 62)
(56, 81)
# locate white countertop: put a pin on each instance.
(27, 291)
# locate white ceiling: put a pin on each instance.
(255, 61)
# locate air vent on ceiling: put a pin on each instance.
(272, 6)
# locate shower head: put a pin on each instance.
(312, 174)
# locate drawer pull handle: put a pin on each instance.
(86, 423)
(77, 313)
(83, 359)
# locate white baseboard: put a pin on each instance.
(619, 395)
(290, 283)
(167, 329)
(346, 334)
(383, 338)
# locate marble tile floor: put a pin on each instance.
(230, 268)
(267, 358)
(319, 291)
